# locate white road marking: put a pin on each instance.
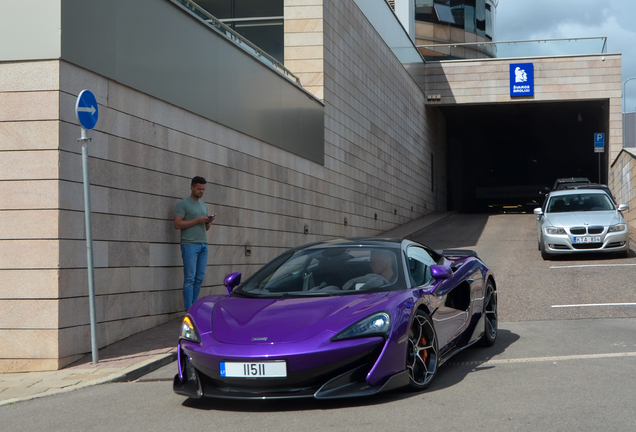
(592, 265)
(594, 305)
(544, 359)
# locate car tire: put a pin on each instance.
(544, 254)
(422, 356)
(490, 316)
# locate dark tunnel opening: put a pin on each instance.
(501, 157)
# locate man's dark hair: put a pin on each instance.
(198, 180)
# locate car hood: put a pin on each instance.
(250, 320)
(591, 218)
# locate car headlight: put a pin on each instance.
(617, 228)
(378, 324)
(555, 230)
(189, 331)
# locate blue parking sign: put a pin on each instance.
(599, 142)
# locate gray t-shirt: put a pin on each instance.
(189, 209)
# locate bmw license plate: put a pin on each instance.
(589, 239)
(253, 370)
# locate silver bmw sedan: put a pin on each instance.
(580, 221)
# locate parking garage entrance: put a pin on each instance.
(502, 156)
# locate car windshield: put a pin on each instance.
(327, 271)
(579, 203)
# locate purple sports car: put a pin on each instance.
(341, 318)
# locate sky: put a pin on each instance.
(556, 19)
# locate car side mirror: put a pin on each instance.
(623, 207)
(440, 272)
(231, 281)
(538, 211)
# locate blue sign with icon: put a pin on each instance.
(521, 79)
(86, 109)
(599, 142)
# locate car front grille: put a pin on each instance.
(588, 230)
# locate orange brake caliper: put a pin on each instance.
(423, 354)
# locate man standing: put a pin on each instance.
(191, 217)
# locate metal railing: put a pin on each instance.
(236, 38)
(519, 48)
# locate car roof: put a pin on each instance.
(357, 241)
(573, 179)
(565, 192)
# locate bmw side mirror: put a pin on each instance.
(538, 211)
(623, 207)
(440, 272)
(231, 281)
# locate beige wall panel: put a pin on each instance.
(29, 165)
(30, 135)
(41, 194)
(21, 106)
(30, 365)
(303, 12)
(33, 254)
(303, 39)
(33, 224)
(304, 52)
(28, 314)
(36, 76)
(29, 284)
(29, 343)
(303, 26)
(72, 253)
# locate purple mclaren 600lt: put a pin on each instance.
(335, 319)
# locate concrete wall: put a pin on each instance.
(622, 183)
(378, 147)
(576, 78)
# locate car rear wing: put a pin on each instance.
(457, 253)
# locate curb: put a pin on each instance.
(128, 374)
(137, 371)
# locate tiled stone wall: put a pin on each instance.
(143, 153)
(304, 54)
(622, 183)
(592, 77)
(379, 138)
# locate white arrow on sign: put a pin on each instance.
(90, 109)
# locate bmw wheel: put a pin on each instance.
(544, 254)
(490, 316)
(422, 357)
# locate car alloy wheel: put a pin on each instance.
(490, 316)
(422, 357)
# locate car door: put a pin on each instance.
(453, 310)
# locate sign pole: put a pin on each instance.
(87, 112)
(89, 244)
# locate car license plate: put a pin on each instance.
(253, 370)
(594, 239)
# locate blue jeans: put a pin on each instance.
(195, 261)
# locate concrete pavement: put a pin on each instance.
(133, 357)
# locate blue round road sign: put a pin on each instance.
(86, 109)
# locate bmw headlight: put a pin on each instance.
(189, 331)
(617, 228)
(378, 324)
(555, 230)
